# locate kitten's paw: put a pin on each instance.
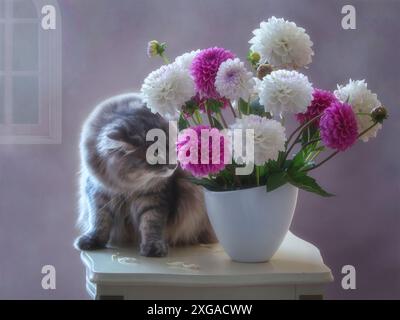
(158, 248)
(88, 242)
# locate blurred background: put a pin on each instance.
(104, 54)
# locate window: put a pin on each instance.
(30, 74)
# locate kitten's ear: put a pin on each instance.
(117, 135)
(121, 136)
(118, 138)
(136, 140)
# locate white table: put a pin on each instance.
(296, 271)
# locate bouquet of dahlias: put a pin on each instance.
(231, 113)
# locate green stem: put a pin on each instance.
(258, 175)
(210, 120)
(291, 147)
(194, 119)
(300, 131)
(240, 113)
(302, 127)
(363, 114)
(208, 114)
(312, 155)
(198, 116)
(323, 161)
(221, 117)
(233, 110)
(309, 142)
(366, 130)
(336, 152)
(282, 120)
(165, 59)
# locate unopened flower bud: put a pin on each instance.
(379, 114)
(263, 70)
(254, 57)
(154, 48)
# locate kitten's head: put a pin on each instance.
(122, 144)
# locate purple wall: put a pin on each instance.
(104, 54)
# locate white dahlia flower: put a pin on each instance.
(282, 44)
(362, 100)
(284, 91)
(269, 137)
(185, 60)
(166, 90)
(233, 80)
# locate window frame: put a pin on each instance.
(48, 130)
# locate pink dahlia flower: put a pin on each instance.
(322, 99)
(338, 126)
(204, 70)
(193, 143)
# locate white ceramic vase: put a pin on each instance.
(251, 223)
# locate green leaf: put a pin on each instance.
(214, 105)
(302, 181)
(308, 165)
(182, 123)
(309, 134)
(297, 162)
(258, 109)
(225, 178)
(161, 48)
(276, 176)
(217, 124)
(190, 106)
(276, 180)
(207, 183)
(263, 171)
(254, 107)
(272, 166)
(243, 106)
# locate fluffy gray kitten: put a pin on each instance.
(124, 199)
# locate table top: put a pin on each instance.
(296, 262)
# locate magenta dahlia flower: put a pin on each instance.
(322, 99)
(338, 126)
(193, 143)
(204, 70)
